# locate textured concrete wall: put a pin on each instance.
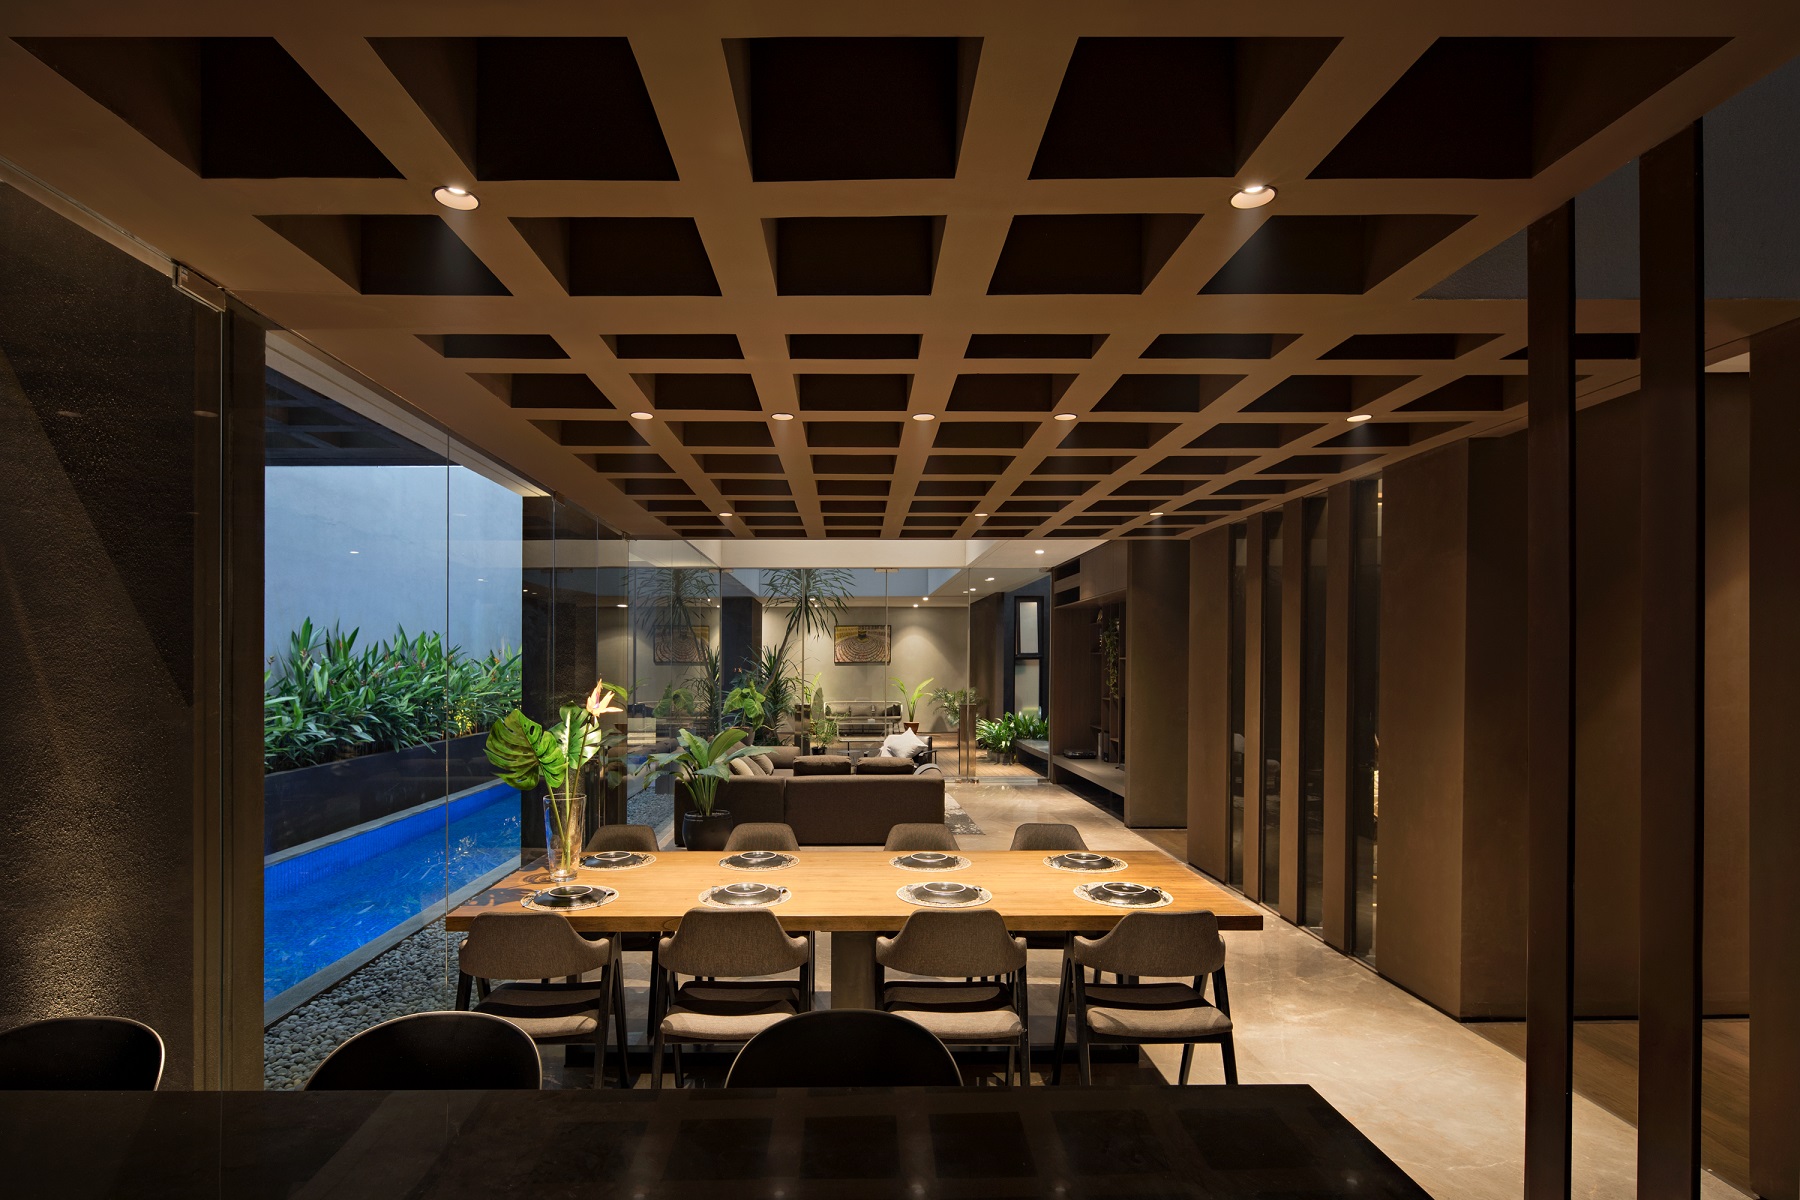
(97, 472)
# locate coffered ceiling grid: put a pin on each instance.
(1309, 302)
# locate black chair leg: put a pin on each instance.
(1187, 1061)
(1062, 1024)
(463, 983)
(602, 1024)
(620, 1024)
(1229, 1052)
(1081, 1034)
(680, 1082)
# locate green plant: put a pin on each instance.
(814, 597)
(994, 735)
(701, 764)
(525, 754)
(325, 699)
(910, 699)
(1033, 727)
(675, 703)
(822, 727)
(781, 688)
(950, 703)
(745, 705)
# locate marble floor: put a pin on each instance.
(1445, 1103)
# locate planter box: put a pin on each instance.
(313, 802)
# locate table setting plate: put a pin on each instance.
(1085, 862)
(758, 860)
(1121, 894)
(943, 893)
(929, 860)
(744, 895)
(617, 860)
(570, 897)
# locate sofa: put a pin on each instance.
(826, 800)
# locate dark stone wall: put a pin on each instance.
(98, 383)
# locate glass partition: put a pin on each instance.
(1271, 796)
(1235, 697)
(1312, 713)
(1365, 707)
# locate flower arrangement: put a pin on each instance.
(525, 754)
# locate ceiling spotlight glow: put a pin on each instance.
(915, 606)
(1359, 418)
(989, 579)
(643, 416)
(624, 606)
(724, 514)
(1037, 551)
(1156, 514)
(924, 416)
(1253, 195)
(1065, 416)
(781, 416)
(459, 198)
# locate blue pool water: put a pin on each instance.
(330, 902)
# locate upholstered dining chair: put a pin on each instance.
(762, 835)
(1047, 836)
(544, 946)
(844, 1047)
(921, 835)
(82, 1054)
(433, 1051)
(722, 949)
(638, 838)
(1160, 945)
(986, 1005)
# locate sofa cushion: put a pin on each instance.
(741, 768)
(821, 764)
(762, 762)
(781, 758)
(874, 764)
(859, 811)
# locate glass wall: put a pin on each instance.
(1312, 713)
(1271, 710)
(1365, 711)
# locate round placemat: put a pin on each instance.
(605, 896)
(781, 863)
(904, 891)
(957, 863)
(1118, 864)
(1081, 890)
(706, 899)
(645, 858)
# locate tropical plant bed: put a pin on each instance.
(309, 803)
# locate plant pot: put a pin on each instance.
(706, 831)
(564, 821)
(910, 726)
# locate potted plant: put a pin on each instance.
(702, 766)
(952, 703)
(525, 754)
(745, 705)
(910, 701)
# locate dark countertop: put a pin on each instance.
(907, 1143)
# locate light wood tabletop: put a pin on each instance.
(854, 891)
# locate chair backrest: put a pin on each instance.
(1156, 943)
(433, 1051)
(640, 838)
(921, 835)
(731, 944)
(84, 1054)
(844, 1047)
(1047, 836)
(528, 945)
(762, 835)
(963, 942)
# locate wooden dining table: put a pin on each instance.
(852, 895)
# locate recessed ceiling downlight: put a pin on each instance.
(1065, 416)
(781, 416)
(1252, 195)
(1359, 418)
(924, 416)
(1037, 551)
(459, 198)
(643, 416)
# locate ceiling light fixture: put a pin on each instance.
(459, 198)
(725, 514)
(1253, 195)
(924, 416)
(989, 579)
(1065, 416)
(1037, 551)
(915, 606)
(1359, 418)
(781, 416)
(624, 606)
(1156, 514)
(924, 599)
(981, 514)
(643, 416)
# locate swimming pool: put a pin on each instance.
(326, 904)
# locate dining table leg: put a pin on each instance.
(853, 970)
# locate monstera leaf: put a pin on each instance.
(524, 752)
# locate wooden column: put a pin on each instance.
(1673, 600)
(1339, 907)
(1293, 714)
(1209, 703)
(1774, 713)
(1255, 555)
(1550, 730)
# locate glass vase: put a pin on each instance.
(564, 817)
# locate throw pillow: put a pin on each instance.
(904, 744)
(742, 768)
(765, 761)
